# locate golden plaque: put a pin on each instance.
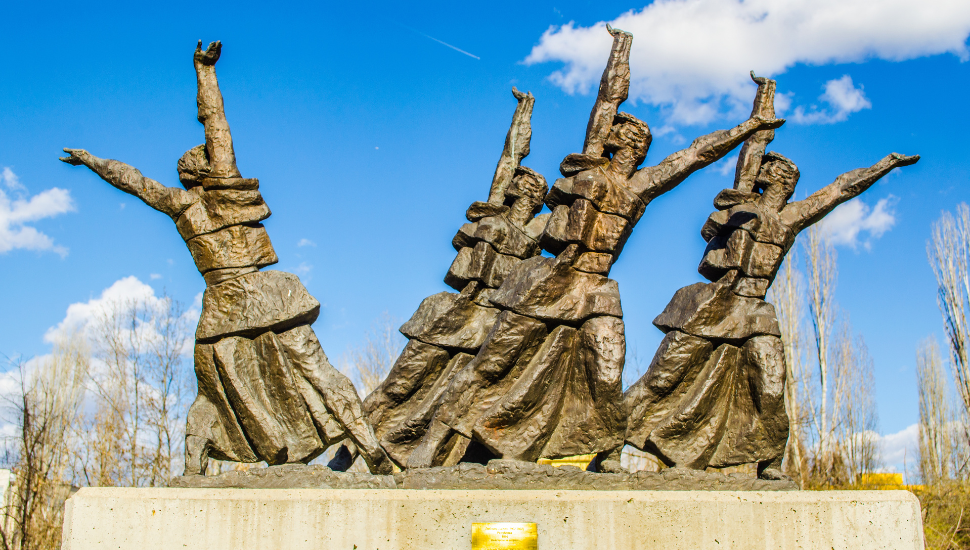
(579, 461)
(504, 536)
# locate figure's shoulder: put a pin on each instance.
(649, 178)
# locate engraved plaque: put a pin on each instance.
(504, 536)
(579, 461)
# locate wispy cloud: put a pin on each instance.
(11, 181)
(306, 242)
(727, 165)
(843, 99)
(303, 270)
(692, 57)
(19, 211)
(669, 130)
(847, 223)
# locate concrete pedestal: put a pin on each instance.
(366, 519)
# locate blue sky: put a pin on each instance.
(370, 139)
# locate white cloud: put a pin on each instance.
(844, 225)
(154, 276)
(670, 130)
(783, 103)
(843, 99)
(727, 165)
(900, 451)
(16, 213)
(83, 317)
(306, 242)
(692, 57)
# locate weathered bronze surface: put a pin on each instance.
(546, 380)
(266, 389)
(524, 362)
(504, 536)
(714, 393)
(448, 329)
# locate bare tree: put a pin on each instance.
(786, 294)
(140, 391)
(855, 420)
(820, 260)
(839, 400)
(949, 256)
(368, 363)
(45, 408)
(166, 400)
(935, 444)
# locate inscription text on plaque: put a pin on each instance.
(504, 536)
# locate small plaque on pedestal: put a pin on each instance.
(504, 536)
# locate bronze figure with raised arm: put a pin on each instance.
(266, 389)
(714, 394)
(448, 328)
(546, 382)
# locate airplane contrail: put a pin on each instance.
(440, 41)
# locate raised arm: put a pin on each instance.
(801, 214)
(170, 200)
(613, 90)
(653, 181)
(516, 146)
(749, 159)
(212, 114)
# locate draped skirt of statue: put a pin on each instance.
(714, 397)
(267, 391)
(546, 382)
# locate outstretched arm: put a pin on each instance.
(170, 200)
(653, 181)
(212, 114)
(801, 214)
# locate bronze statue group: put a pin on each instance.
(525, 361)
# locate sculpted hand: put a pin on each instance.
(210, 55)
(759, 80)
(77, 157)
(903, 160)
(767, 123)
(615, 32)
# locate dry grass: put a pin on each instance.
(946, 514)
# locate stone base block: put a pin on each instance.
(382, 519)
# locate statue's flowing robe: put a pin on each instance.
(714, 392)
(267, 391)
